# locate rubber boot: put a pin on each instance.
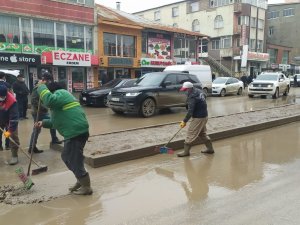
(186, 151)
(210, 149)
(75, 187)
(85, 188)
(14, 157)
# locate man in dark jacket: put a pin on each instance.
(9, 119)
(40, 112)
(197, 110)
(22, 93)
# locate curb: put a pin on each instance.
(149, 151)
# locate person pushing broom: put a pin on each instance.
(68, 118)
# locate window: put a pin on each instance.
(252, 44)
(175, 25)
(144, 42)
(218, 3)
(271, 31)
(60, 35)
(193, 6)
(215, 44)
(289, 12)
(273, 55)
(243, 20)
(89, 38)
(226, 42)
(285, 57)
(273, 15)
(182, 78)
(259, 46)
(43, 33)
(26, 31)
(9, 29)
(119, 45)
(157, 15)
(253, 22)
(75, 36)
(175, 12)
(81, 1)
(196, 26)
(171, 78)
(261, 24)
(219, 22)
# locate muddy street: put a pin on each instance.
(254, 175)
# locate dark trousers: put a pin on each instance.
(36, 131)
(72, 155)
(22, 105)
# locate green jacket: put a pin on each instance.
(67, 116)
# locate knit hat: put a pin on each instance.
(3, 90)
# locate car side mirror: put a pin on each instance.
(281, 80)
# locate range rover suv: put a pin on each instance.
(152, 91)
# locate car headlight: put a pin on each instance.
(132, 94)
(250, 85)
(109, 93)
(270, 85)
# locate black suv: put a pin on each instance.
(152, 91)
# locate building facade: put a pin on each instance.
(130, 46)
(53, 35)
(235, 31)
(283, 27)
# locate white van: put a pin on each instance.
(203, 73)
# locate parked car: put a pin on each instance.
(298, 80)
(152, 91)
(269, 83)
(98, 96)
(227, 85)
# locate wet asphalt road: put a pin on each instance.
(252, 179)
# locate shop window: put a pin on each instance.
(60, 35)
(26, 31)
(43, 33)
(285, 57)
(75, 34)
(9, 29)
(119, 45)
(273, 55)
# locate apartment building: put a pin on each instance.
(57, 35)
(283, 29)
(234, 28)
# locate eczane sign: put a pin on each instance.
(62, 58)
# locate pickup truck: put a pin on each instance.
(269, 83)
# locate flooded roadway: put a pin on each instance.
(251, 176)
(252, 179)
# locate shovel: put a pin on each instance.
(165, 149)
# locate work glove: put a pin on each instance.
(6, 134)
(182, 124)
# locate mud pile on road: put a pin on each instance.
(118, 142)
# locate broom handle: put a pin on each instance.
(173, 136)
(34, 136)
(13, 141)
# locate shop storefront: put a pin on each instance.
(154, 65)
(76, 70)
(26, 64)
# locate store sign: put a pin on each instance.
(20, 58)
(145, 62)
(62, 58)
(117, 61)
(257, 56)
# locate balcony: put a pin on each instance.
(226, 52)
(237, 30)
(236, 51)
(237, 8)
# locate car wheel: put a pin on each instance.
(117, 111)
(223, 92)
(148, 108)
(105, 101)
(240, 91)
(205, 91)
(287, 90)
(276, 94)
(250, 96)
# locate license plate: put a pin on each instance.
(115, 99)
(84, 98)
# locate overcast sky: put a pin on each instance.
(131, 6)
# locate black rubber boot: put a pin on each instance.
(75, 187)
(35, 150)
(85, 188)
(210, 149)
(186, 151)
